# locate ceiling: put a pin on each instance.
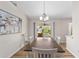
(55, 9)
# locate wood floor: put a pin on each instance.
(24, 54)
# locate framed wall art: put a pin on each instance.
(9, 23)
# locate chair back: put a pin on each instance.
(44, 53)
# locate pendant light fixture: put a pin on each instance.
(44, 16)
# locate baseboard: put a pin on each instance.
(15, 51)
(72, 53)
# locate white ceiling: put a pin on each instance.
(58, 9)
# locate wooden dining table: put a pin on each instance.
(47, 43)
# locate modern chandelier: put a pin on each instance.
(44, 16)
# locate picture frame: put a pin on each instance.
(9, 23)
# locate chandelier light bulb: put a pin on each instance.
(46, 18)
(41, 18)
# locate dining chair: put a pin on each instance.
(44, 53)
(58, 39)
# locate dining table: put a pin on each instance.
(47, 43)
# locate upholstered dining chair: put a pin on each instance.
(44, 53)
(58, 39)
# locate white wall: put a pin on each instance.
(61, 28)
(73, 47)
(11, 43)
